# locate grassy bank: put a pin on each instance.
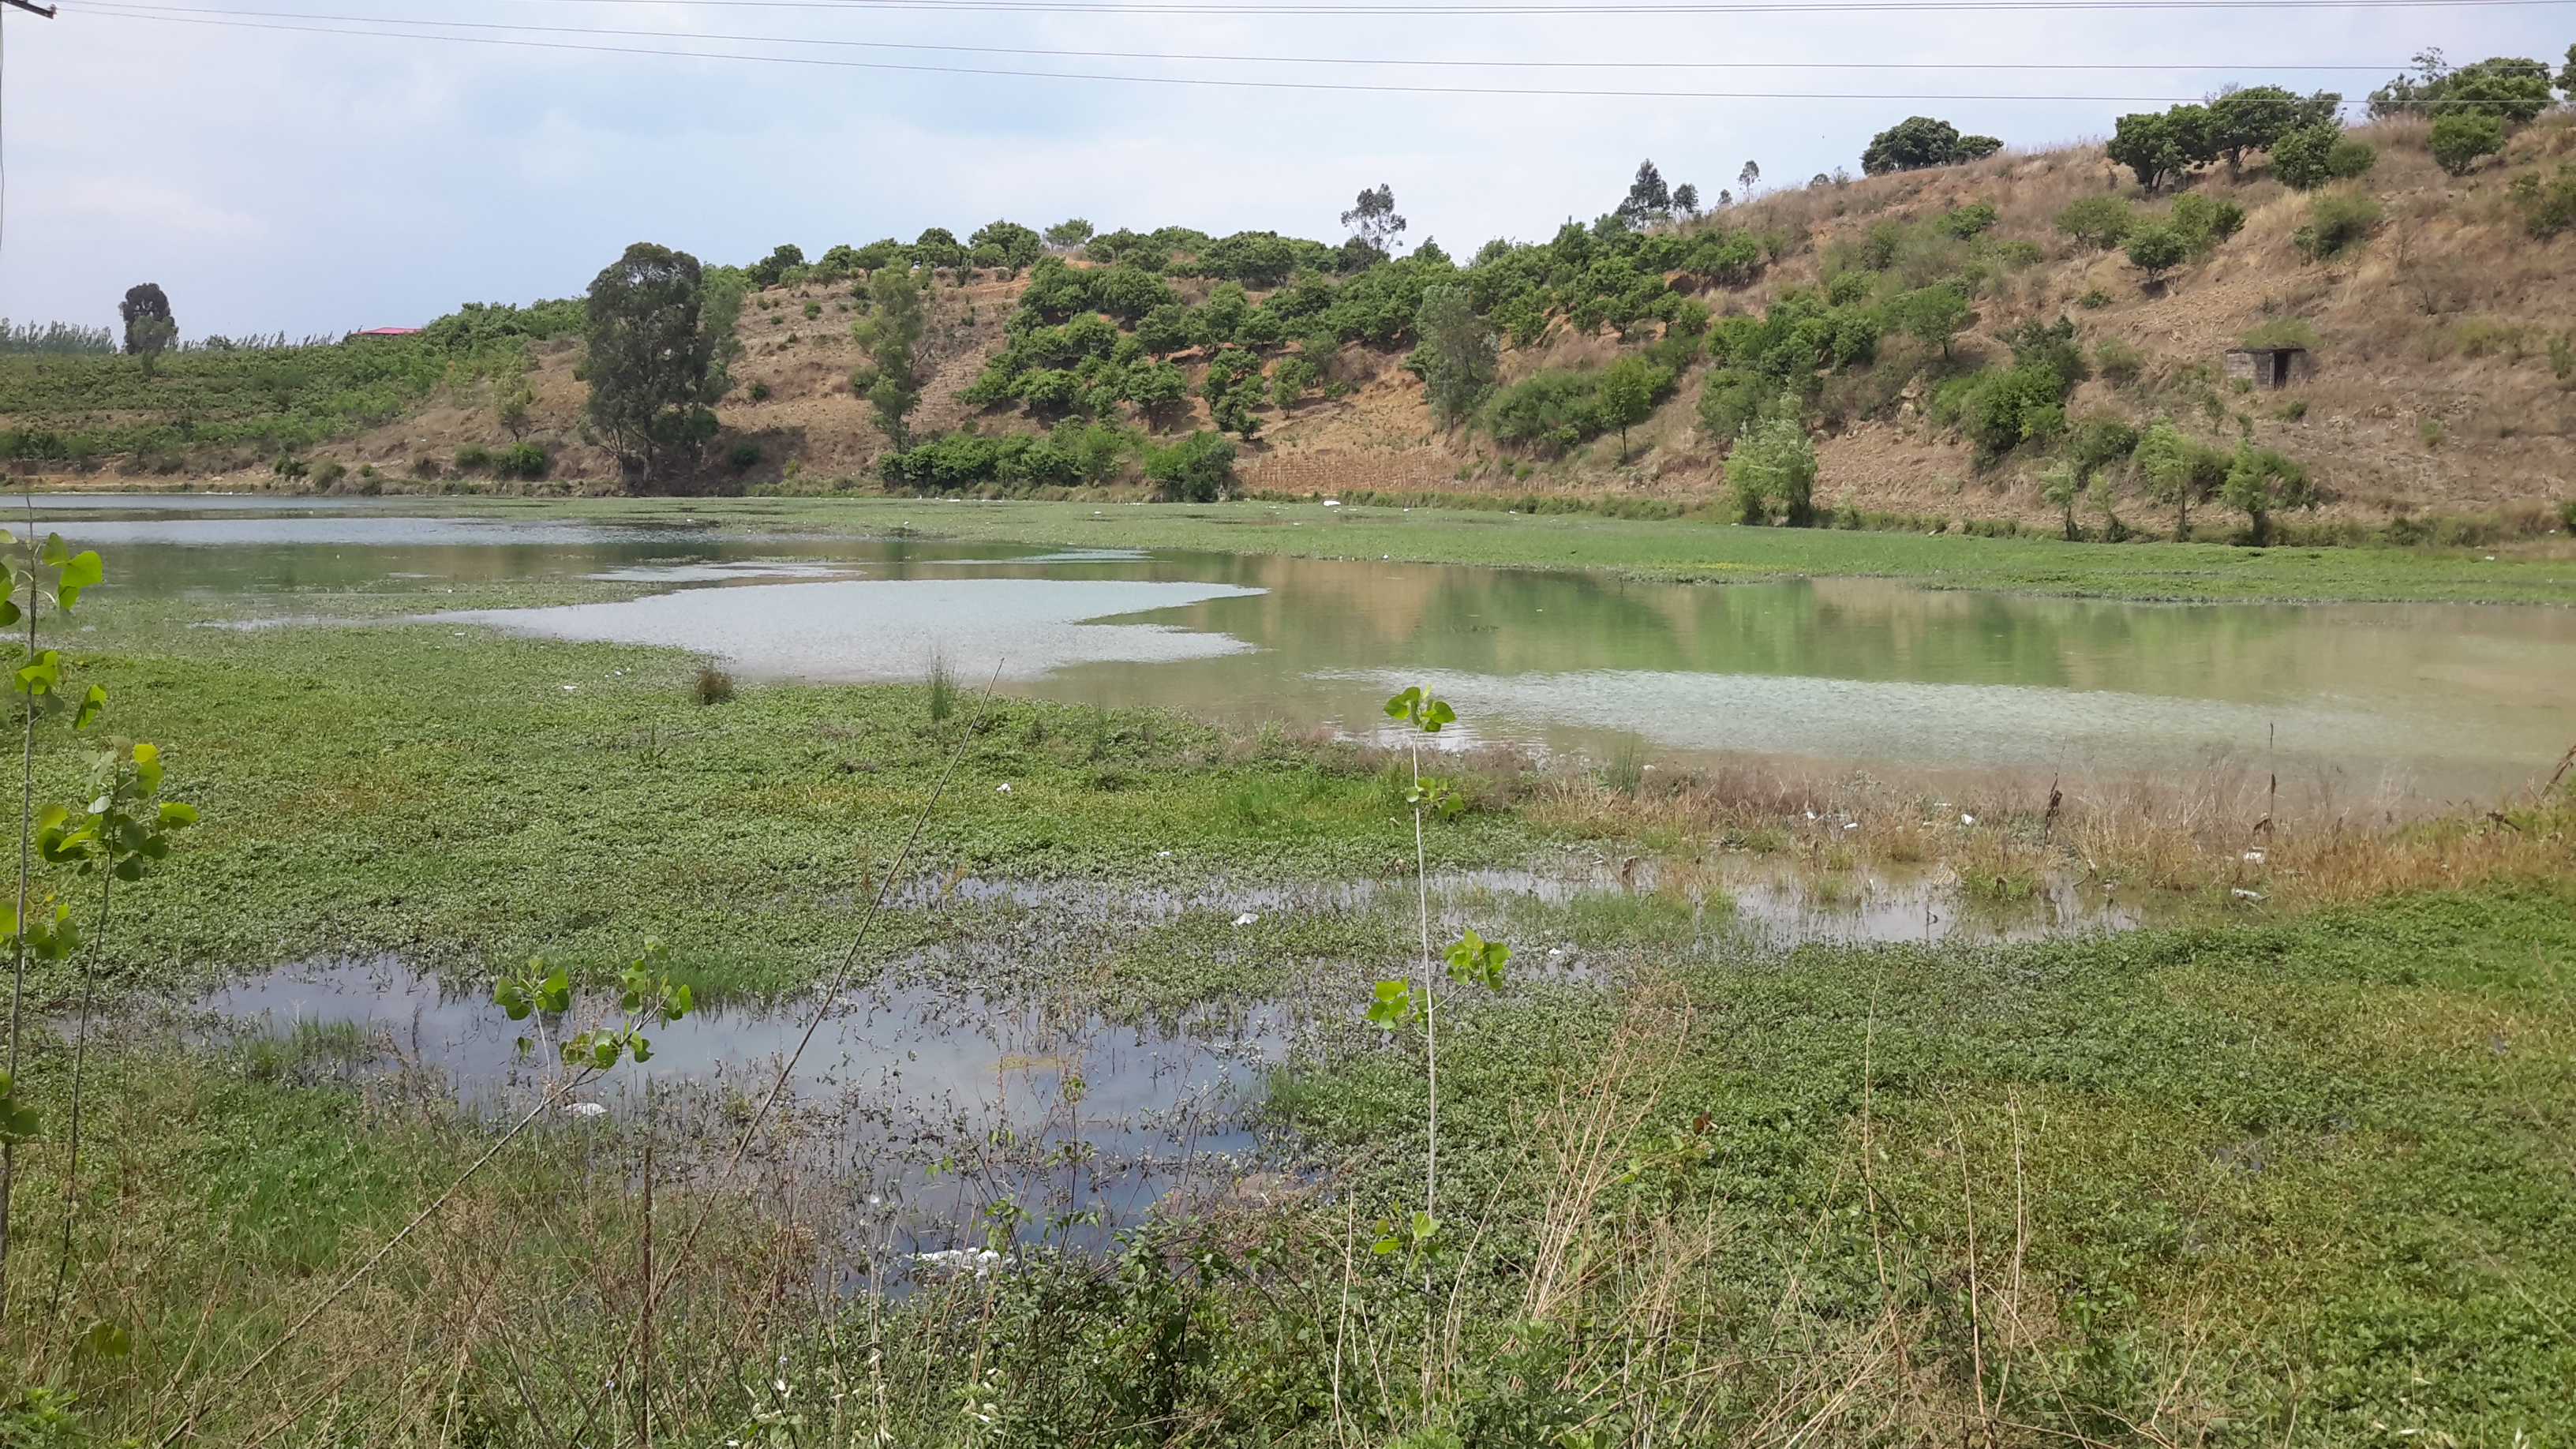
(2299, 1183)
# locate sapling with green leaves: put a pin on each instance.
(38, 575)
(645, 995)
(1471, 959)
(118, 836)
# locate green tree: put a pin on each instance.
(1628, 390)
(1373, 225)
(2513, 89)
(1773, 466)
(1932, 315)
(1291, 380)
(1920, 141)
(1160, 391)
(939, 250)
(2156, 250)
(1196, 469)
(772, 269)
(2254, 118)
(2302, 159)
(1234, 392)
(1458, 356)
(2461, 138)
(2158, 148)
(2062, 484)
(1006, 245)
(2178, 470)
(890, 332)
(1648, 199)
(656, 344)
(1066, 235)
(2097, 221)
(149, 327)
(2261, 482)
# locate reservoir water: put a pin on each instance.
(2430, 701)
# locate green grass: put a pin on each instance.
(2304, 1183)
(1685, 550)
(398, 789)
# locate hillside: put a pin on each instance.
(2442, 338)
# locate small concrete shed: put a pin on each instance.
(2270, 367)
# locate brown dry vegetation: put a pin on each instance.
(2434, 390)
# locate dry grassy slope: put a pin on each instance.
(2444, 316)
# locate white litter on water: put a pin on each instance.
(2242, 894)
(1003, 789)
(982, 1260)
(587, 1109)
(2255, 856)
(1162, 855)
(1246, 919)
(1967, 819)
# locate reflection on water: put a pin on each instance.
(2452, 700)
(893, 629)
(932, 1105)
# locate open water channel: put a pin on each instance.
(2418, 701)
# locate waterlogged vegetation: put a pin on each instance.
(2285, 1165)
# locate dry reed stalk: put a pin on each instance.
(1588, 1130)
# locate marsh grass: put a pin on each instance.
(710, 686)
(940, 689)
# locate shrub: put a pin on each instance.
(1197, 469)
(2462, 137)
(1773, 467)
(2548, 208)
(2299, 157)
(472, 456)
(2351, 159)
(745, 454)
(760, 392)
(2118, 362)
(2004, 409)
(2337, 222)
(2203, 223)
(1731, 399)
(2094, 299)
(522, 460)
(1969, 220)
(328, 472)
(712, 686)
(2156, 250)
(2567, 515)
(2100, 222)
(2311, 156)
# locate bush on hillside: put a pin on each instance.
(1920, 141)
(2311, 156)
(2101, 222)
(2461, 138)
(1196, 469)
(1773, 470)
(2547, 207)
(2337, 222)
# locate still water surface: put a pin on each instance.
(2444, 701)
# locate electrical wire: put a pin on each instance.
(363, 27)
(1442, 63)
(1712, 7)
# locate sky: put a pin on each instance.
(275, 179)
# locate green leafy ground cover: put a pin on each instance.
(2304, 1182)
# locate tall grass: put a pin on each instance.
(942, 687)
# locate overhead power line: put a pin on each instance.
(592, 40)
(1739, 7)
(1377, 62)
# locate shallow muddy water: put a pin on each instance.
(2445, 701)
